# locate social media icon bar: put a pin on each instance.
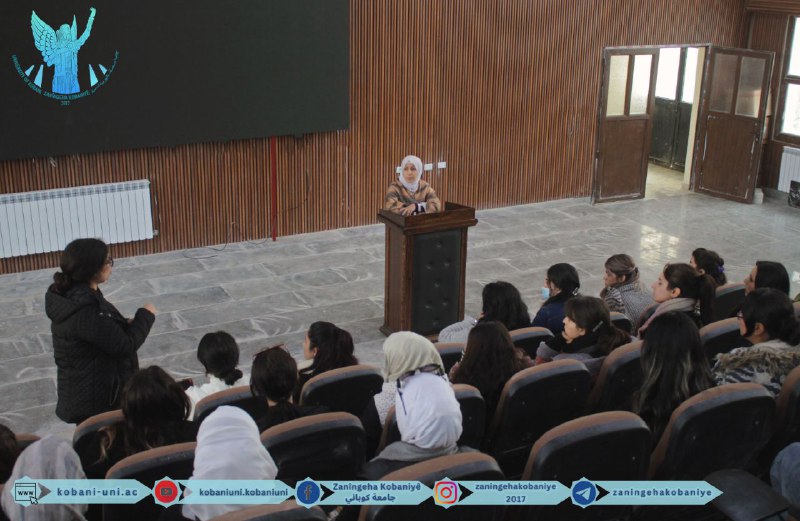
(446, 493)
(308, 493)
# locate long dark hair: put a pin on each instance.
(219, 354)
(81, 260)
(565, 277)
(591, 314)
(274, 376)
(490, 359)
(693, 284)
(711, 264)
(9, 451)
(774, 310)
(503, 303)
(772, 275)
(153, 403)
(334, 348)
(675, 368)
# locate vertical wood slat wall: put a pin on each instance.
(504, 91)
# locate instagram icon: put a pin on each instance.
(445, 493)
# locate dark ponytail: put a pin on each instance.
(274, 377)
(711, 264)
(219, 354)
(693, 285)
(772, 309)
(334, 347)
(81, 260)
(591, 314)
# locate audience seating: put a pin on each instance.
(327, 446)
(529, 338)
(286, 511)
(468, 466)
(24, 440)
(534, 401)
(728, 300)
(347, 389)
(86, 440)
(721, 337)
(175, 461)
(450, 353)
(608, 446)
(241, 397)
(622, 321)
(473, 419)
(745, 497)
(619, 378)
(787, 419)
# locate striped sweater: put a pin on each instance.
(397, 196)
(766, 363)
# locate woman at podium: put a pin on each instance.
(410, 195)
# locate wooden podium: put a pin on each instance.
(426, 262)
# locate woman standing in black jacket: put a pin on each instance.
(93, 344)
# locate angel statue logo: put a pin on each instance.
(59, 49)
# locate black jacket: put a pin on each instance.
(94, 348)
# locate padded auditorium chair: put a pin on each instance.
(175, 461)
(721, 337)
(467, 466)
(473, 419)
(347, 389)
(327, 446)
(787, 419)
(529, 338)
(619, 378)
(728, 300)
(86, 440)
(622, 321)
(241, 397)
(286, 511)
(745, 497)
(608, 446)
(450, 353)
(534, 401)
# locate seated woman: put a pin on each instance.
(501, 302)
(675, 368)
(274, 377)
(588, 335)
(156, 412)
(623, 291)
(767, 274)
(682, 288)
(563, 283)
(768, 321)
(326, 347)
(409, 195)
(48, 458)
(219, 355)
(709, 263)
(403, 351)
(228, 448)
(490, 359)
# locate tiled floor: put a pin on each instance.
(264, 293)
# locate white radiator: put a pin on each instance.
(39, 222)
(790, 168)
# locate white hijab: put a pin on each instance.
(228, 447)
(417, 162)
(48, 458)
(428, 414)
(405, 351)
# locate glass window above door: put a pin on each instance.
(669, 62)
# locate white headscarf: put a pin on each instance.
(405, 351)
(417, 162)
(228, 447)
(428, 414)
(48, 458)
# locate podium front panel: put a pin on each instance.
(436, 281)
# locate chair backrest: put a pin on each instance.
(450, 353)
(347, 389)
(529, 338)
(86, 440)
(286, 511)
(618, 447)
(719, 428)
(175, 461)
(622, 321)
(327, 446)
(24, 439)
(534, 401)
(728, 300)
(619, 378)
(720, 337)
(467, 466)
(239, 396)
(473, 419)
(787, 413)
